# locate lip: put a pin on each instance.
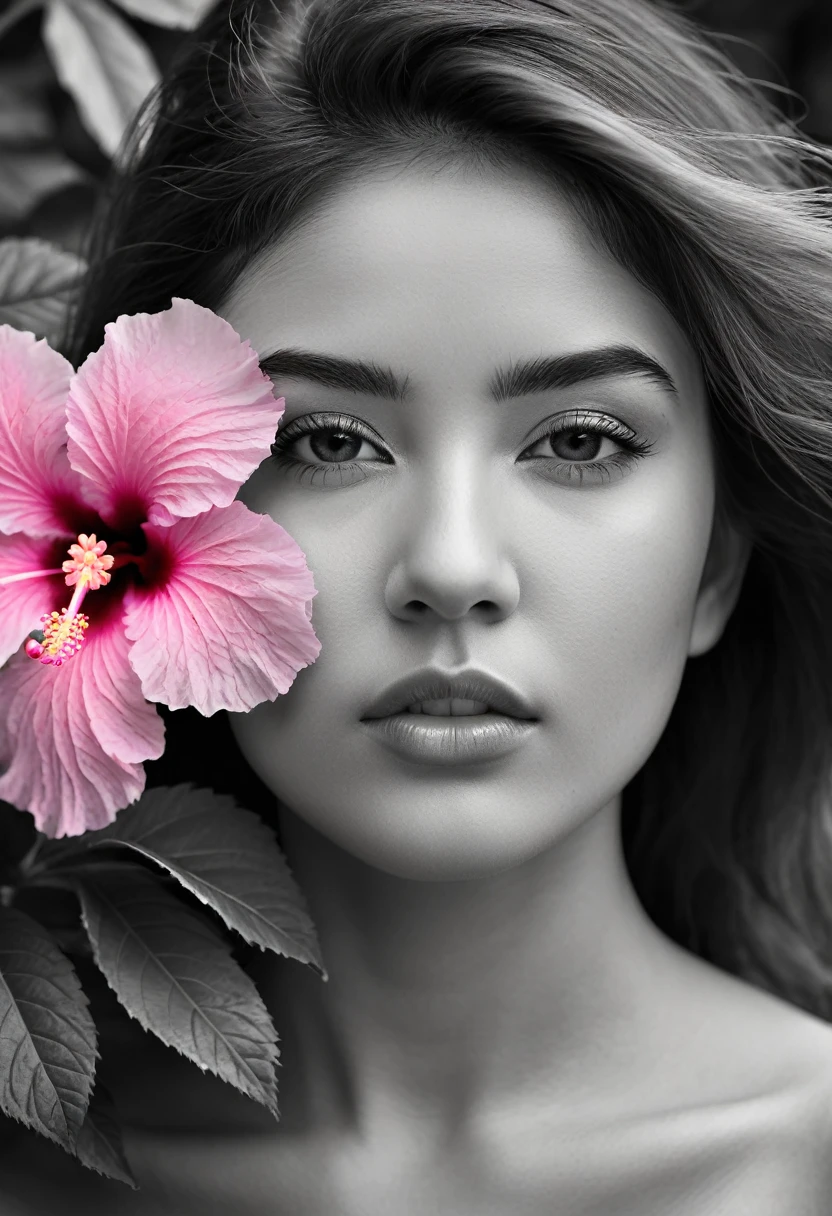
(457, 739)
(432, 684)
(427, 739)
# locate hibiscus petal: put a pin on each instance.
(23, 603)
(126, 725)
(170, 416)
(230, 625)
(73, 736)
(36, 481)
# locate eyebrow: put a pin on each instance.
(519, 379)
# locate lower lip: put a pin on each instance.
(462, 739)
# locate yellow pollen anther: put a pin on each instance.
(61, 634)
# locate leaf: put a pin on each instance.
(175, 14)
(222, 854)
(99, 1145)
(28, 175)
(36, 280)
(175, 975)
(99, 60)
(47, 1035)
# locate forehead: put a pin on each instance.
(452, 266)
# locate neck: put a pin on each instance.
(447, 998)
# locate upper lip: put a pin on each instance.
(433, 684)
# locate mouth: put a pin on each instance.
(438, 719)
(437, 694)
(450, 707)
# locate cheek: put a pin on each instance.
(618, 604)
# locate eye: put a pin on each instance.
(328, 448)
(573, 445)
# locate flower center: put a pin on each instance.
(61, 634)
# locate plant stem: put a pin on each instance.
(17, 12)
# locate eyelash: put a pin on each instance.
(576, 421)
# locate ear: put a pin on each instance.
(725, 565)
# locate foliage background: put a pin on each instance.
(72, 72)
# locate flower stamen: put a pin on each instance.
(59, 638)
(61, 634)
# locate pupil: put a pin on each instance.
(576, 445)
(335, 446)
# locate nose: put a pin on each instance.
(451, 558)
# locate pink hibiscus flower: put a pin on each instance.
(119, 481)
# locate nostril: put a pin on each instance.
(419, 607)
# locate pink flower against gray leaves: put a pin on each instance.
(119, 481)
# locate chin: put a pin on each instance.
(435, 841)
(431, 864)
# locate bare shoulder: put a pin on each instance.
(741, 1040)
(806, 1092)
(776, 1047)
(788, 1159)
(759, 1081)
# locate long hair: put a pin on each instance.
(697, 185)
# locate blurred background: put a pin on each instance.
(72, 73)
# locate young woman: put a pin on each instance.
(548, 291)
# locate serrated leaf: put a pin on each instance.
(99, 1145)
(36, 280)
(175, 14)
(47, 1035)
(222, 854)
(104, 65)
(175, 975)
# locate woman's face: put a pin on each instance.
(551, 534)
